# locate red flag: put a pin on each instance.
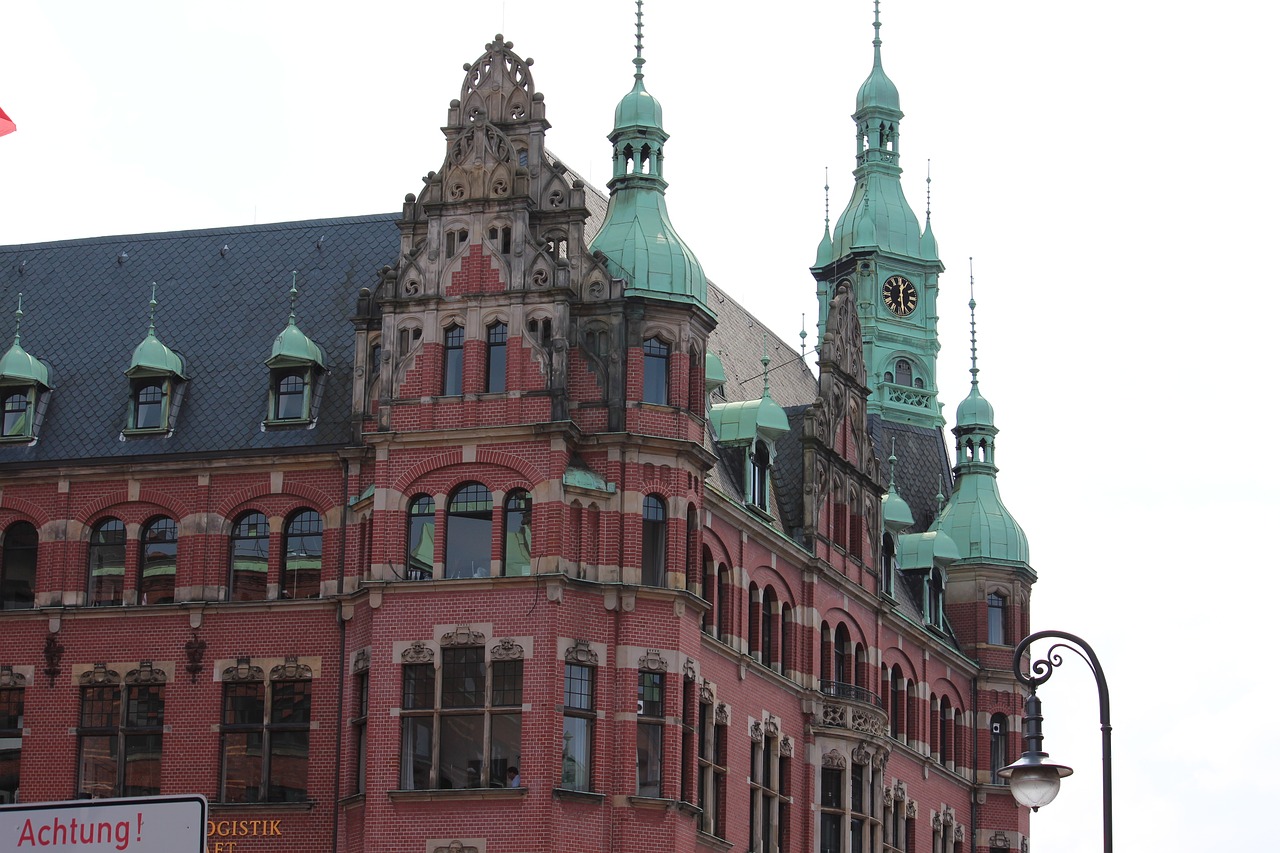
(6, 124)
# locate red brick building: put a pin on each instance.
(486, 527)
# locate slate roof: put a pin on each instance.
(922, 457)
(85, 308)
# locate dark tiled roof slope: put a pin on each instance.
(85, 311)
(922, 457)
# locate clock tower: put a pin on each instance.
(889, 263)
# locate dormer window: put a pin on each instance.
(24, 389)
(757, 476)
(297, 372)
(17, 408)
(157, 375)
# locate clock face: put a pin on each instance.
(899, 295)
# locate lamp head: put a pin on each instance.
(1033, 779)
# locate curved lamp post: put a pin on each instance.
(1033, 779)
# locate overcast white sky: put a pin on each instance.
(1108, 165)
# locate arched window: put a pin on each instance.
(995, 619)
(451, 384)
(786, 625)
(768, 646)
(843, 662)
(710, 594)
(724, 602)
(656, 356)
(148, 406)
(517, 534)
(106, 562)
(419, 561)
(758, 476)
(897, 704)
(902, 372)
(946, 732)
(653, 556)
(16, 422)
(887, 565)
(496, 358)
(158, 561)
(468, 538)
(249, 540)
(999, 746)
(291, 394)
(302, 542)
(18, 566)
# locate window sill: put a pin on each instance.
(304, 806)
(459, 794)
(577, 796)
(713, 842)
(352, 800)
(688, 808)
(17, 439)
(651, 802)
(132, 432)
(285, 424)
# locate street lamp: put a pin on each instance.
(1033, 779)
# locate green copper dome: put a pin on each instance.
(922, 550)
(152, 358)
(17, 367)
(928, 243)
(744, 421)
(824, 254)
(878, 91)
(714, 372)
(978, 522)
(974, 410)
(293, 348)
(637, 109)
(895, 510)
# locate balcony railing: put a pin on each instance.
(840, 690)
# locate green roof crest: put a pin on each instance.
(17, 366)
(292, 348)
(151, 357)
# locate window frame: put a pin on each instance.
(94, 585)
(26, 555)
(713, 770)
(459, 530)
(291, 539)
(274, 729)
(453, 361)
(495, 362)
(12, 707)
(235, 591)
(122, 731)
(160, 406)
(656, 373)
(17, 424)
(650, 723)
(420, 521)
(653, 550)
(148, 563)
(580, 717)
(517, 501)
(997, 618)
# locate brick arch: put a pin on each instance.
(944, 687)
(237, 502)
(892, 655)
(431, 463)
(765, 576)
(838, 615)
(32, 512)
(87, 514)
(719, 551)
(507, 460)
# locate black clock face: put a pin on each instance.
(899, 295)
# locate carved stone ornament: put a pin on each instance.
(290, 670)
(580, 652)
(913, 809)
(833, 759)
(899, 790)
(888, 793)
(937, 822)
(960, 833)
(786, 747)
(882, 761)
(1026, 845)
(861, 754)
(507, 649)
(52, 657)
(833, 715)
(462, 636)
(455, 847)
(999, 839)
(242, 671)
(99, 675)
(652, 662)
(865, 721)
(9, 678)
(722, 714)
(705, 693)
(756, 732)
(361, 661)
(771, 727)
(145, 674)
(417, 653)
(690, 669)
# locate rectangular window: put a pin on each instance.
(265, 745)
(11, 706)
(461, 730)
(649, 724)
(995, 619)
(452, 378)
(579, 726)
(769, 795)
(360, 727)
(496, 362)
(831, 820)
(106, 736)
(712, 770)
(656, 356)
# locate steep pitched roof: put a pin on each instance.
(86, 308)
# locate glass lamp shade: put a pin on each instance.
(1033, 780)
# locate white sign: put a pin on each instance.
(138, 825)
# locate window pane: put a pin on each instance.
(15, 415)
(149, 407)
(144, 707)
(463, 673)
(288, 782)
(141, 765)
(653, 567)
(249, 541)
(100, 707)
(504, 743)
(517, 540)
(995, 619)
(18, 567)
(97, 766)
(415, 753)
(243, 704)
(302, 545)
(576, 771)
(291, 703)
(290, 395)
(159, 560)
(496, 367)
(421, 540)
(649, 760)
(650, 694)
(468, 540)
(106, 563)
(418, 687)
(655, 371)
(242, 767)
(452, 384)
(578, 692)
(508, 678)
(461, 751)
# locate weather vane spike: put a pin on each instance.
(876, 40)
(17, 321)
(973, 329)
(293, 297)
(152, 306)
(939, 497)
(928, 189)
(803, 334)
(639, 60)
(893, 458)
(826, 201)
(764, 360)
